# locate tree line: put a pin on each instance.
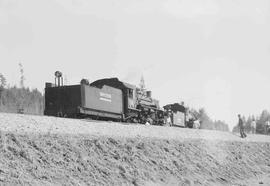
(207, 122)
(260, 120)
(20, 99)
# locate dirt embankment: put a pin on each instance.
(43, 157)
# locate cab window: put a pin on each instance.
(130, 93)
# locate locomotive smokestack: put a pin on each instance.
(149, 94)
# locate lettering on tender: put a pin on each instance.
(105, 97)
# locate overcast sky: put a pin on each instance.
(212, 54)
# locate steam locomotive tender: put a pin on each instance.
(106, 99)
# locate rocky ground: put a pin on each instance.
(39, 150)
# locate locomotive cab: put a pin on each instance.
(132, 112)
(131, 95)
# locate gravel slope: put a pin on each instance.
(43, 124)
(37, 150)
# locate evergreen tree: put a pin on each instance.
(261, 123)
(3, 83)
(22, 78)
(206, 122)
(248, 124)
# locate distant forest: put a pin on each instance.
(24, 100)
(207, 122)
(260, 123)
(20, 99)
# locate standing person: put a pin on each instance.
(241, 126)
(196, 124)
(253, 126)
(169, 119)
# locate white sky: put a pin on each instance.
(212, 54)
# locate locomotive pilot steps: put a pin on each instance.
(108, 99)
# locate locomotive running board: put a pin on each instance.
(96, 113)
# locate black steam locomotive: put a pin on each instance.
(109, 99)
